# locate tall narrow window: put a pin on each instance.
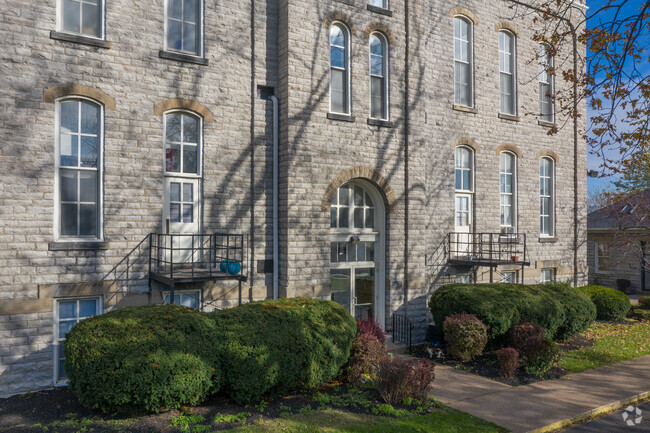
(82, 17)
(507, 189)
(183, 26)
(69, 313)
(463, 74)
(464, 163)
(182, 143)
(601, 258)
(546, 85)
(79, 168)
(339, 89)
(378, 81)
(507, 72)
(546, 202)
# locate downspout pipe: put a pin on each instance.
(276, 199)
(574, 35)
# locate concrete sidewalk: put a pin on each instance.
(530, 407)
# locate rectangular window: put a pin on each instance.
(507, 72)
(184, 26)
(463, 74)
(378, 82)
(82, 17)
(547, 275)
(546, 85)
(379, 3)
(602, 257)
(510, 277)
(187, 299)
(79, 144)
(69, 313)
(507, 189)
(339, 82)
(546, 204)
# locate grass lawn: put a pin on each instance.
(613, 342)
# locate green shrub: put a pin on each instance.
(143, 358)
(640, 314)
(365, 354)
(611, 304)
(559, 309)
(277, 346)
(466, 336)
(644, 302)
(540, 354)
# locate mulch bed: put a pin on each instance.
(487, 365)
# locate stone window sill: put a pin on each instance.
(381, 123)
(341, 117)
(548, 240)
(546, 124)
(509, 117)
(77, 246)
(79, 39)
(180, 57)
(464, 109)
(347, 2)
(378, 10)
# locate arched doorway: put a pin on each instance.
(357, 269)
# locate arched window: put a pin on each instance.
(546, 196)
(546, 84)
(507, 189)
(182, 143)
(464, 169)
(339, 69)
(463, 65)
(507, 72)
(79, 168)
(378, 76)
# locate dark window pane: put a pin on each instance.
(376, 47)
(334, 257)
(173, 126)
(376, 65)
(87, 308)
(90, 20)
(174, 35)
(189, 38)
(89, 118)
(361, 252)
(344, 196)
(190, 163)
(68, 185)
(71, 16)
(190, 129)
(67, 309)
(89, 151)
(188, 193)
(175, 213)
(88, 186)
(188, 213)
(175, 8)
(370, 218)
(190, 10)
(175, 191)
(344, 216)
(370, 251)
(358, 196)
(70, 116)
(65, 326)
(68, 219)
(338, 57)
(358, 218)
(88, 220)
(173, 158)
(333, 217)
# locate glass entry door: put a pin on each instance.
(353, 277)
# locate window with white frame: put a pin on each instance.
(182, 143)
(546, 84)
(463, 73)
(546, 197)
(378, 80)
(69, 312)
(82, 17)
(379, 3)
(464, 168)
(79, 168)
(601, 259)
(183, 26)
(339, 82)
(507, 72)
(190, 299)
(352, 207)
(463, 279)
(507, 188)
(547, 275)
(510, 277)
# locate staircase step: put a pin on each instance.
(396, 348)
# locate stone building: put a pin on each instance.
(410, 138)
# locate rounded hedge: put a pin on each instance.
(143, 358)
(611, 304)
(276, 346)
(559, 309)
(154, 358)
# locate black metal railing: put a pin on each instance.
(130, 273)
(491, 248)
(402, 330)
(197, 255)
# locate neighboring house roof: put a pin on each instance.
(629, 213)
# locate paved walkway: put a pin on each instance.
(534, 406)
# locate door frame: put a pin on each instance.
(379, 233)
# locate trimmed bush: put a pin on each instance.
(143, 358)
(611, 304)
(644, 302)
(639, 314)
(399, 379)
(523, 333)
(371, 327)
(159, 357)
(466, 336)
(365, 354)
(273, 347)
(559, 309)
(540, 354)
(508, 358)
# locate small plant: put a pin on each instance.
(371, 327)
(238, 418)
(465, 335)
(541, 355)
(365, 354)
(352, 397)
(186, 421)
(389, 410)
(644, 302)
(508, 361)
(523, 333)
(398, 379)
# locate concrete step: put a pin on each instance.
(395, 348)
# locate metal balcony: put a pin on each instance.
(487, 249)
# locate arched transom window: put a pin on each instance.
(182, 143)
